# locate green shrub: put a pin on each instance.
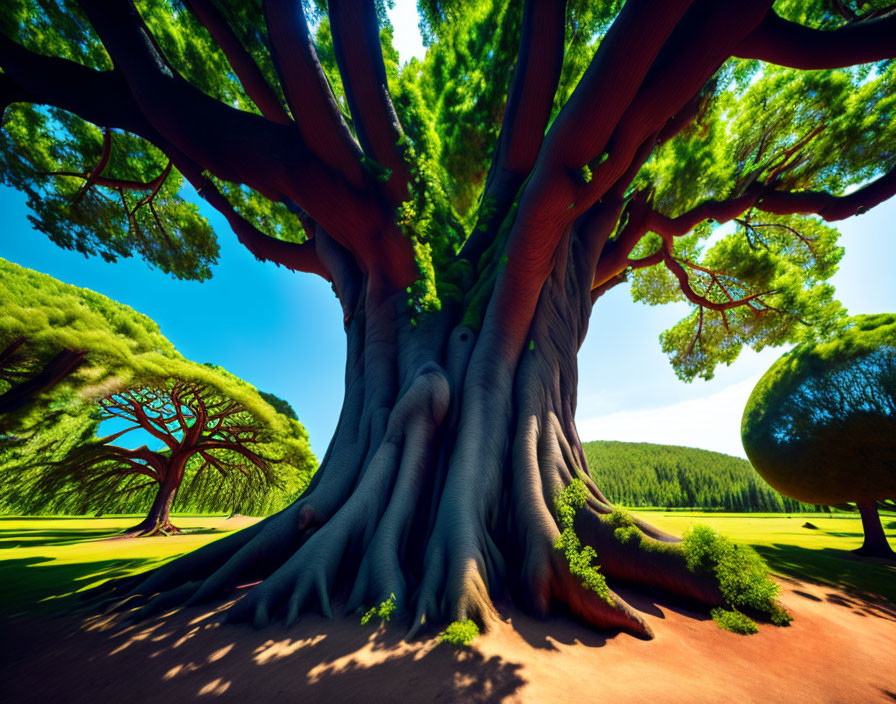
(460, 633)
(740, 572)
(581, 559)
(384, 611)
(625, 527)
(734, 621)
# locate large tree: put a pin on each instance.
(57, 450)
(468, 210)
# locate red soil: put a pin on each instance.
(839, 649)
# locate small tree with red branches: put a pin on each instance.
(213, 454)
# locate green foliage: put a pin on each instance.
(756, 125)
(763, 255)
(624, 527)
(734, 621)
(280, 405)
(645, 474)
(460, 633)
(581, 559)
(384, 611)
(820, 425)
(741, 574)
(794, 130)
(123, 350)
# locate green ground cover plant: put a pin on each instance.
(460, 633)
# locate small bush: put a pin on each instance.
(741, 573)
(384, 611)
(625, 528)
(460, 633)
(734, 621)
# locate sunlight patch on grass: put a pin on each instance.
(44, 560)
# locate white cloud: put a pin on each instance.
(711, 422)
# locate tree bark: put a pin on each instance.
(158, 520)
(439, 484)
(875, 544)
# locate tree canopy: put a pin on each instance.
(754, 138)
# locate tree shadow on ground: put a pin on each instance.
(41, 585)
(870, 580)
(187, 655)
(25, 538)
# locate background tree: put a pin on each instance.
(188, 419)
(50, 457)
(468, 209)
(646, 474)
(820, 425)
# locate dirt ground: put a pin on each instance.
(839, 649)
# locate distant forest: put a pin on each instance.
(644, 474)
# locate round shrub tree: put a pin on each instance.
(820, 426)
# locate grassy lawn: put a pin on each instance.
(44, 560)
(820, 555)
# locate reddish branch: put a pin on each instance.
(786, 43)
(676, 267)
(629, 97)
(93, 175)
(244, 66)
(189, 419)
(532, 89)
(307, 90)
(356, 42)
(246, 148)
(643, 219)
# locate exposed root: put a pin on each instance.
(148, 529)
(642, 560)
(438, 489)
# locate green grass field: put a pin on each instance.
(44, 561)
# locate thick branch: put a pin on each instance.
(100, 97)
(356, 41)
(297, 257)
(529, 102)
(827, 205)
(307, 90)
(786, 43)
(246, 148)
(244, 66)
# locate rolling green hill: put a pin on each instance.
(644, 474)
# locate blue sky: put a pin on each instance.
(283, 331)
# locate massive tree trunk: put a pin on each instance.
(158, 520)
(875, 543)
(439, 484)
